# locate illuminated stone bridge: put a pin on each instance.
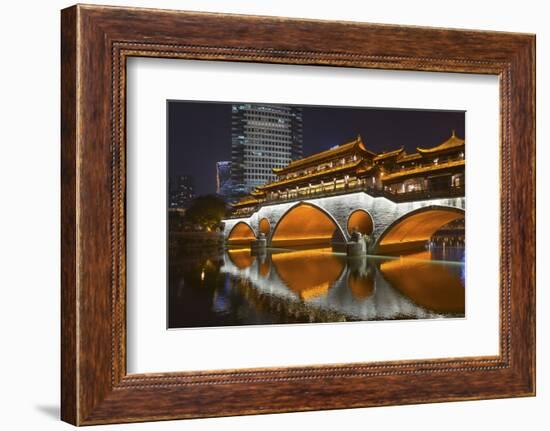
(386, 226)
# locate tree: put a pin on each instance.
(206, 211)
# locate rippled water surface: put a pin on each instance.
(237, 287)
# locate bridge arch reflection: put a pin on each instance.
(241, 257)
(309, 273)
(432, 286)
(327, 286)
(360, 283)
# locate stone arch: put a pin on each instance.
(264, 226)
(361, 220)
(306, 224)
(241, 234)
(413, 229)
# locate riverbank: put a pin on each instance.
(186, 243)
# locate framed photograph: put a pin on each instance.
(270, 223)
(264, 215)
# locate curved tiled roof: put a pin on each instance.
(245, 201)
(451, 143)
(389, 154)
(356, 144)
(422, 169)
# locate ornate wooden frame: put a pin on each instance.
(95, 43)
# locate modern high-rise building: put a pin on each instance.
(223, 179)
(181, 191)
(263, 137)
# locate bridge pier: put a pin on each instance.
(358, 245)
(354, 248)
(259, 244)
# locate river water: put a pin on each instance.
(282, 286)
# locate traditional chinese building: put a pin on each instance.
(351, 167)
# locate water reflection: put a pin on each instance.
(360, 280)
(308, 273)
(239, 287)
(242, 257)
(433, 286)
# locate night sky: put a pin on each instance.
(199, 133)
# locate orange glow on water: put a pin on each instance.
(314, 291)
(304, 224)
(361, 285)
(241, 257)
(264, 268)
(308, 273)
(429, 285)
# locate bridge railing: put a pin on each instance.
(327, 191)
(456, 191)
(417, 195)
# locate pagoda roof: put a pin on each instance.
(245, 202)
(422, 169)
(389, 154)
(256, 192)
(356, 145)
(452, 143)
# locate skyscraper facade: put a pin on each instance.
(263, 137)
(223, 179)
(181, 191)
